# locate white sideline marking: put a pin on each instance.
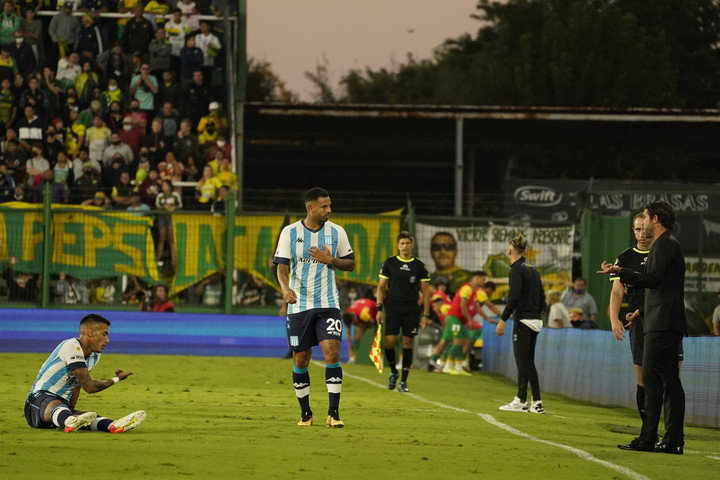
(491, 420)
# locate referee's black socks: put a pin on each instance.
(390, 356)
(406, 363)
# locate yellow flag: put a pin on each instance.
(376, 354)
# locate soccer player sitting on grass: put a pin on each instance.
(51, 401)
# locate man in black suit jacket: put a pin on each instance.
(665, 324)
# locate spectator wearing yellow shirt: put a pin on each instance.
(8, 67)
(75, 135)
(226, 176)
(85, 83)
(97, 138)
(206, 189)
(125, 6)
(156, 11)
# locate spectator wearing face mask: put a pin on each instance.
(220, 145)
(132, 136)
(117, 147)
(111, 95)
(578, 297)
(114, 119)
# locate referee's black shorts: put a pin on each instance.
(405, 316)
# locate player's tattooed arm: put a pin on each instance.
(88, 384)
(344, 264)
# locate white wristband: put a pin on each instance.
(115, 379)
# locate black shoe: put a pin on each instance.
(667, 448)
(403, 388)
(638, 445)
(392, 381)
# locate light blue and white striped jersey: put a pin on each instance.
(313, 282)
(56, 375)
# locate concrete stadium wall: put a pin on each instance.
(591, 365)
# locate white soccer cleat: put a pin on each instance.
(79, 421)
(537, 407)
(515, 406)
(128, 422)
(351, 360)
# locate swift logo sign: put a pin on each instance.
(537, 196)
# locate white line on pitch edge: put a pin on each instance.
(492, 421)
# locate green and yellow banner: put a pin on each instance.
(87, 242)
(91, 243)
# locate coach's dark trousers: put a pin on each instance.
(524, 340)
(661, 377)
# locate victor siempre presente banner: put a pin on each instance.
(484, 247)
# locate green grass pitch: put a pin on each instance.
(235, 418)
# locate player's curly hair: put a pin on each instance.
(519, 243)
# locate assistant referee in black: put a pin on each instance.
(404, 285)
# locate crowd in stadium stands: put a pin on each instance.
(106, 108)
(113, 113)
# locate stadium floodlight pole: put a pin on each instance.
(458, 165)
(47, 245)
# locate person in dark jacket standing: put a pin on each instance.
(526, 299)
(665, 324)
(138, 32)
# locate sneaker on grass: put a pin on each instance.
(515, 406)
(537, 407)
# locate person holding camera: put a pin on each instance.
(143, 88)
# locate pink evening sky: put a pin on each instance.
(296, 35)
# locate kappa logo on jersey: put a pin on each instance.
(299, 240)
(405, 267)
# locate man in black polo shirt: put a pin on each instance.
(403, 276)
(624, 299)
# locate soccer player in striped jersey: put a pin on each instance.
(307, 255)
(52, 399)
